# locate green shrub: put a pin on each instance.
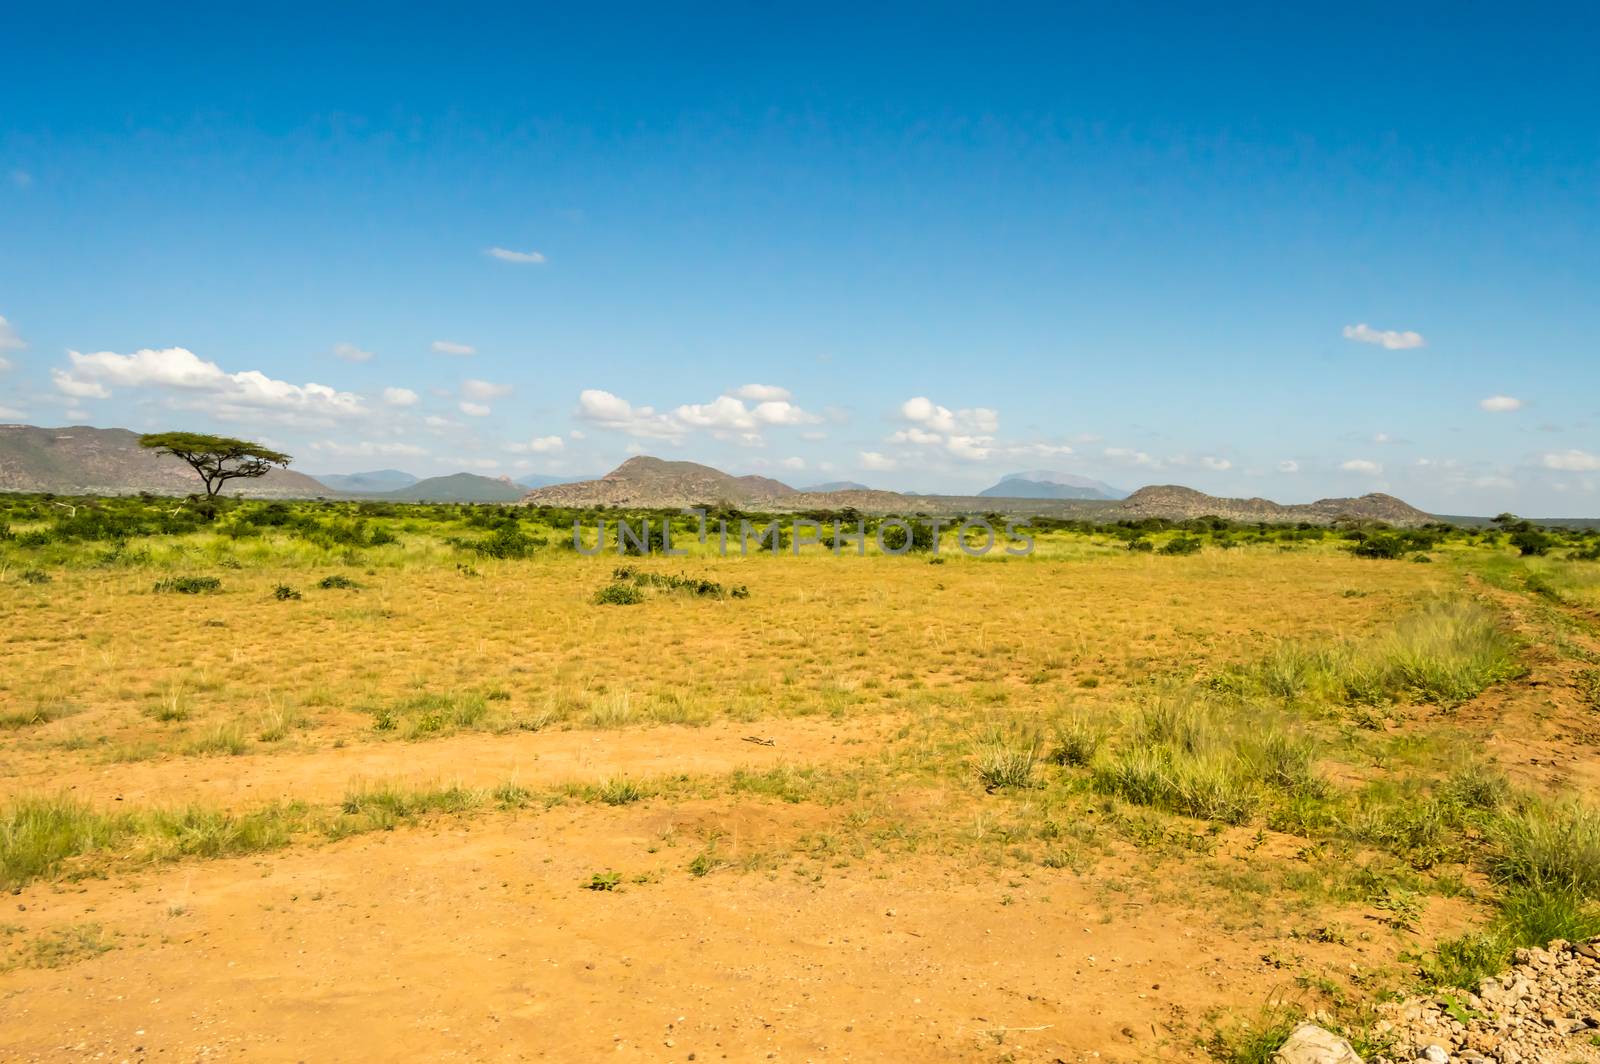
(283, 593)
(1181, 545)
(337, 582)
(1077, 741)
(1549, 849)
(188, 585)
(1006, 764)
(34, 576)
(618, 595)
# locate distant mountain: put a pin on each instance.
(836, 485)
(539, 480)
(1176, 503)
(651, 483)
(1048, 484)
(655, 482)
(80, 460)
(375, 481)
(457, 487)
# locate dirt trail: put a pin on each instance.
(478, 942)
(475, 760)
(1539, 728)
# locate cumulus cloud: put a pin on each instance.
(9, 340)
(1216, 465)
(520, 257)
(726, 417)
(451, 347)
(793, 463)
(400, 397)
(67, 384)
(1500, 404)
(198, 383)
(473, 409)
(1389, 339)
(539, 445)
(1288, 465)
(367, 449)
(1574, 461)
(473, 388)
(1360, 465)
(614, 412)
(1130, 457)
(928, 414)
(875, 461)
(351, 353)
(761, 393)
(11, 413)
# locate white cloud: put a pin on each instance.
(473, 388)
(1500, 404)
(613, 412)
(726, 417)
(400, 397)
(9, 340)
(1216, 465)
(435, 422)
(351, 353)
(793, 463)
(875, 461)
(1288, 465)
(1360, 465)
(507, 255)
(366, 449)
(723, 412)
(450, 347)
(930, 415)
(1130, 457)
(1389, 339)
(11, 414)
(539, 445)
(782, 412)
(229, 395)
(1574, 461)
(473, 409)
(67, 384)
(761, 393)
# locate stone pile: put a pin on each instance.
(1544, 1010)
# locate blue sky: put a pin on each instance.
(1265, 252)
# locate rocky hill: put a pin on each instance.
(1174, 502)
(654, 482)
(651, 483)
(86, 461)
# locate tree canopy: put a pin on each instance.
(218, 459)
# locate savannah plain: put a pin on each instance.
(329, 781)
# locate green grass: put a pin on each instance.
(1549, 849)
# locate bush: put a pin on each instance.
(1077, 742)
(338, 583)
(1002, 764)
(1380, 546)
(1181, 545)
(34, 576)
(618, 595)
(1549, 849)
(1531, 543)
(283, 593)
(188, 585)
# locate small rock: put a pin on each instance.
(1433, 1055)
(1310, 1044)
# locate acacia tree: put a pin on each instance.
(218, 459)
